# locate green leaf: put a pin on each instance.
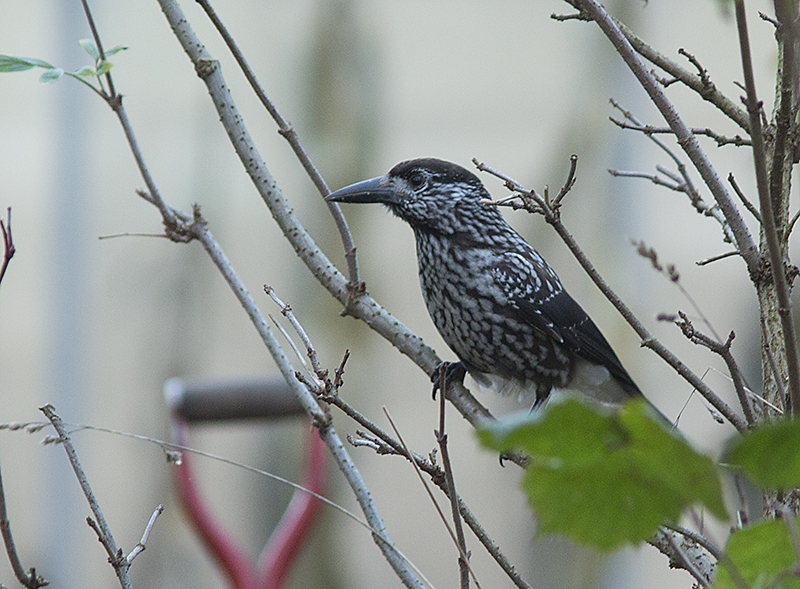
(115, 50)
(9, 63)
(760, 552)
(103, 67)
(86, 71)
(768, 454)
(605, 478)
(51, 75)
(90, 48)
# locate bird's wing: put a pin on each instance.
(541, 301)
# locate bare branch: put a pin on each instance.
(683, 181)
(771, 191)
(707, 91)
(139, 548)
(717, 258)
(652, 177)
(745, 201)
(463, 557)
(441, 438)
(287, 132)
(115, 555)
(688, 142)
(29, 579)
(721, 140)
(724, 351)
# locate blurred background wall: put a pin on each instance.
(96, 326)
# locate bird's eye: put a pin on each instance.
(417, 180)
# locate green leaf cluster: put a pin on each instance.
(610, 478)
(769, 455)
(605, 479)
(761, 555)
(10, 63)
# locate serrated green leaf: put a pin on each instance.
(606, 478)
(51, 75)
(86, 71)
(115, 50)
(104, 67)
(760, 552)
(10, 63)
(768, 454)
(90, 48)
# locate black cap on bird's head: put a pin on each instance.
(418, 191)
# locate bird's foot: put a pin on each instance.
(454, 372)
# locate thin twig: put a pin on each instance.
(647, 339)
(658, 180)
(706, 90)
(683, 181)
(115, 555)
(724, 351)
(790, 225)
(441, 439)
(462, 554)
(29, 579)
(286, 311)
(688, 142)
(287, 132)
(721, 140)
(745, 201)
(569, 182)
(139, 548)
(717, 258)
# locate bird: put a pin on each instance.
(496, 302)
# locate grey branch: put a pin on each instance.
(139, 548)
(287, 132)
(29, 579)
(682, 181)
(688, 142)
(765, 195)
(721, 140)
(115, 555)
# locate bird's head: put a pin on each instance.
(430, 194)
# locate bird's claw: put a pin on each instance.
(454, 372)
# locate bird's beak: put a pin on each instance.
(364, 192)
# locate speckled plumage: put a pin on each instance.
(496, 302)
